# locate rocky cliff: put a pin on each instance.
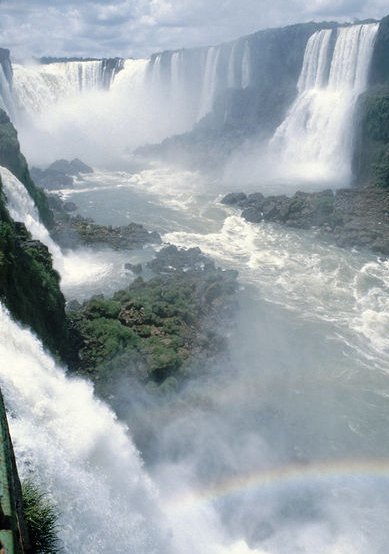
(29, 286)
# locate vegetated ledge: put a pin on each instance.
(353, 217)
(13, 159)
(29, 286)
(155, 331)
(70, 231)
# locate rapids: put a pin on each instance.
(285, 448)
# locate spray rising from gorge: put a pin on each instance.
(281, 447)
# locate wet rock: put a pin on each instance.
(234, 199)
(73, 306)
(74, 167)
(135, 268)
(70, 231)
(50, 179)
(354, 217)
(60, 174)
(172, 259)
(69, 207)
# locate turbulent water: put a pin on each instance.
(278, 452)
(284, 450)
(316, 136)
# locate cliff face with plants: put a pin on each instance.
(371, 155)
(29, 286)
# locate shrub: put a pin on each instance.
(41, 518)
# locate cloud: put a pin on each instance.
(140, 27)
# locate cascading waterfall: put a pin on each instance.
(38, 86)
(173, 91)
(78, 268)
(246, 66)
(77, 452)
(164, 82)
(21, 208)
(210, 82)
(315, 139)
(231, 79)
(6, 95)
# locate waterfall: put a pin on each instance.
(246, 66)
(315, 139)
(210, 82)
(78, 452)
(79, 269)
(40, 85)
(231, 80)
(22, 208)
(156, 72)
(313, 73)
(6, 96)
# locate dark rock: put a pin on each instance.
(356, 217)
(51, 179)
(234, 199)
(255, 199)
(135, 268)
(158, 329)
(77, 166)
(70, 207)
(13, 159)
(172, 259)
(73, 306)
(60, 174)
(73, 168)
(70, 231)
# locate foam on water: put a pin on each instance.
(83, 271)
(316, 280)
(78, 452)
(315, 138)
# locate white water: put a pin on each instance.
(6, 96)
(38, 86)
(308, 382)
(315, 139)
(277, 404)
(246, 66)
(78, 452)
(81, 270)
(63, 109)
(210, 82)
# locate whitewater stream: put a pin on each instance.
(285, 448)
(279, 452)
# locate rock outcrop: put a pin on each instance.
(355, 217)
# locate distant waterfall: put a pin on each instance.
(78, 453)
(315, 139)
(209, 82)
(246, 66)
(40, 85)
(6, 94)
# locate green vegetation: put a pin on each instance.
(153, 328)
(381, 171)
(371, 160)
(13, 159)
(41, 518)
(29, 286)
(379, 72)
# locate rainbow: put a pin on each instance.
(318, 472)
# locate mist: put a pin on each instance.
(279, 444)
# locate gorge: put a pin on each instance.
(165, 406)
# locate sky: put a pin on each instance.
(137, 28)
